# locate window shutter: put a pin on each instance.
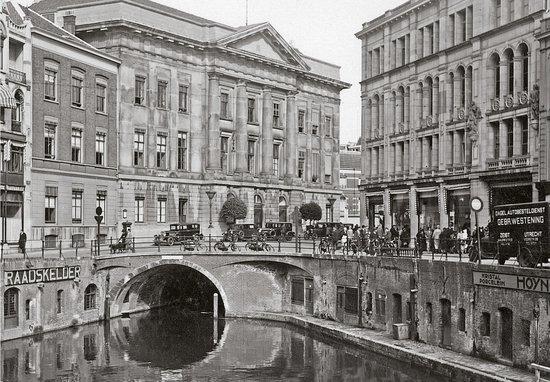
(328, 164)
(230, 103)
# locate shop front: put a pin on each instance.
(400, 210)
(375, 210)
(458, 208)
(511, 193)
(428, 208)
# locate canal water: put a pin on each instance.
(169, 345)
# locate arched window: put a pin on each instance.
(429, 100)
(401, 99)
(421, 99)
(283, 207)
(509, 57)
(90, 297)
(495, 63)
(11, 308)
(452, 93)
(17, 113)
(524, 53)
(462, 77)
(258, 211)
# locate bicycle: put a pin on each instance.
(193, 244)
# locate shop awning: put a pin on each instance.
(6, 99)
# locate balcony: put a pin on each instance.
(17, 76)
(459, 168)
(505, 163)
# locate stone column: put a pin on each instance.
(406, 153)
(213, 122)
(426, 155)
(391, 159)
(503, 78)
(407, 107)
(381, 116)
(291, 135)
(267, 132)
(435, 152)
(367, 156)
(418, 156)
(517, 136)
(398, 158)
(468, 89)
(241, 135)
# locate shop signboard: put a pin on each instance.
(510, 281)
(41, 275)
(525, 224)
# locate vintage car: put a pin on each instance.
(278, 231)
(320, 229)
(178, 233)
(243, 231)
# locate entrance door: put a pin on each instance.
(445, 323)
(309, 296)
(182, 210)
(506, 333)
(397, 309)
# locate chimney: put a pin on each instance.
(69, 23)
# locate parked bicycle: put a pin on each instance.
(194, 244)
(258, 243)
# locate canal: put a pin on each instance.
(169, 345)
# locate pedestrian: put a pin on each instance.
(436, 235)
(22, 242)
(421, 240)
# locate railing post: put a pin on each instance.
(133, 244)
(111, 241)
(313, 241)
(42, 249)
(209, 242)
(60, 255)
(279, 243)
(158, 245)
(76, 250)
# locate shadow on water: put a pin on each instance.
(174, 344)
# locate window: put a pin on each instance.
(495, 126)
(76, 145)
(314, 129)
(161, 210)
(90, 296)
(251, 165)
(224, 105)
(101, 199)
(100, 97)
(17, 113)
(510, 133)
(50, 204)
(182, 151)
(224, 147)
(59, 301)
(276, 159)
(368, 309)
(485, 328)
(182, 98)
(297, 291)
(301, 163)
(328, 126)
(77, 82)
(11, 307)
(139, 91)
(301, 120)
(251, 115)
(328, 168)
(161, 94)
(525, 7)
(76, 206)
(429, 313)
(100, 149)
(276, 115)
(380, 304)
(511, 6)
(161, 151)
(462, 319)
(50, 84)
(315, 164)
(139, 208)
(15, 165)
(49, 141)
(139, 145)
(525, 332)
(182, 210)
(351, 300)
(524, 135)
(27, 309)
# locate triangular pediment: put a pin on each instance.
(264, 41)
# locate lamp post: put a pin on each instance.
(331, 201)
(210, 194)
(360, 297)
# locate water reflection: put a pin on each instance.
(169, 346)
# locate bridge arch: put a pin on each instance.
(157, 273)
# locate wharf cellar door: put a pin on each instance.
(506, 333)
(445, 323)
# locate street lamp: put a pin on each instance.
(211, 194)
(360, 297)
(331, 201)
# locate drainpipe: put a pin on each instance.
(536, 315)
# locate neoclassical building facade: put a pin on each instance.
(208, 107)
(448, 89)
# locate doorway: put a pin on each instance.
(445, 323)
(506, 333)
(397, 309)
(309, 295)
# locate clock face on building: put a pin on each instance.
(476, 204)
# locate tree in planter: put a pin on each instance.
(232, 210)
(311, 211)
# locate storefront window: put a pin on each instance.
(375, 210)
(400, 214)
(458, 208)
(428, 209)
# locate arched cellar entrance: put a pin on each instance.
(162, 285)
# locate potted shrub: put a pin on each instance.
(232, 210)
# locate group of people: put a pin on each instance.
(444, 240)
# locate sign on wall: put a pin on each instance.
(507, 281)
(41, 275)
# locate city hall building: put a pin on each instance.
(450, 100)
(209, 107)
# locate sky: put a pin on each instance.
(324, 29)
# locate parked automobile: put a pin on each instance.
(178, 233)
(320, 229)
(278, 231)
(242, 231)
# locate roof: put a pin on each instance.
(41, 23)
(12, 13)
(48, 6)
(350, 160)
